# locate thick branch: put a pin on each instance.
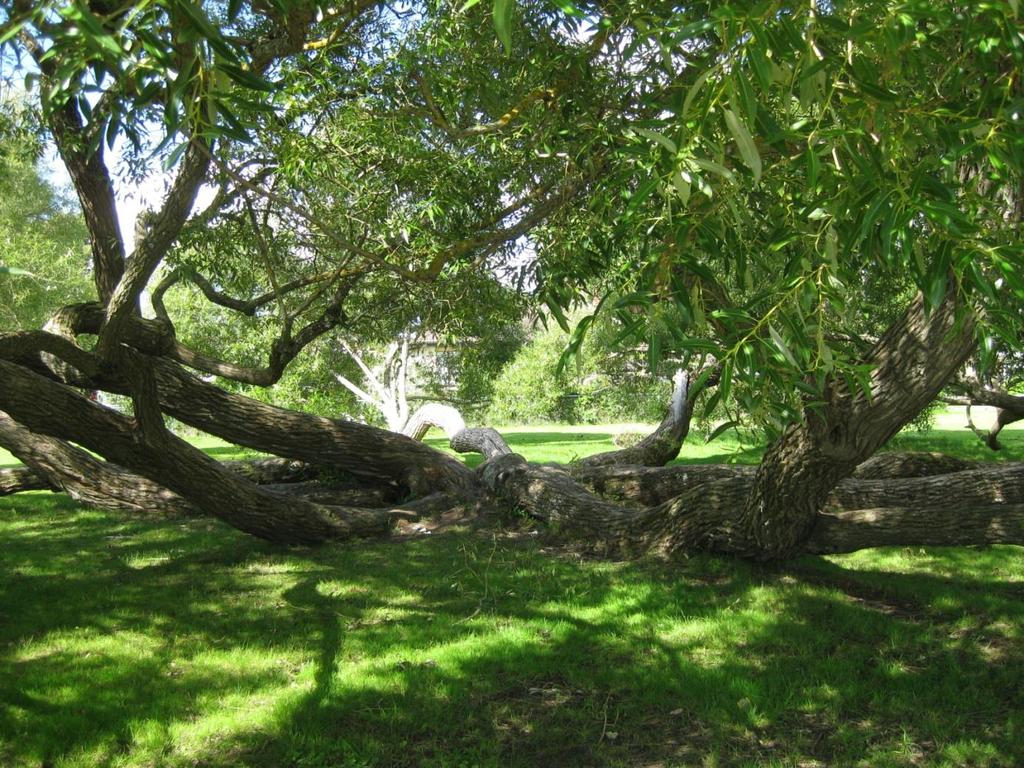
(482, 440)
(700, 508)
(60, 466)
(163, 230)
(247, 307)
(918, 526)
(45, 406)
(1009, 407)
(84, 160)
(362, 450)
(21, 479)
(661, 446)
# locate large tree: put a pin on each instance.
(722, 172)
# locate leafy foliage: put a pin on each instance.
(42, 238)
(601, 384)
(759, 183)
(797, 151)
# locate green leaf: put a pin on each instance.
(172, 159)
(874, 91)
(641, 194)
(682, 186)
(503, 22)
(781, 344)
(559, 315)
(712, 403)
(720, 429)
(724, 383)
(691, 94)
(11, 28)
(660, 138)
(698, 384)
(246, 78)
(568, 9)
(937, 288)
(209, 32)
(634, 299)
(813, 168)
(745, 142)
(713, 167)
(654, 351)
(467, 5)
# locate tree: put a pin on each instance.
(721, 173)
(994, 379)
(42, 240)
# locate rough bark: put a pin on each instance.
(650, 486)
(21, 479)
(273, 470)
(912, 464)
(917, 526)
(376, 455)
(701, 508)
(891, 479)
(95, 190)
(663, 510)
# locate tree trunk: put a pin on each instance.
(796, 501)
(917, 526)
(911, 363)
(21, 479)
(375, 455)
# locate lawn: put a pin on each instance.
(146, 642)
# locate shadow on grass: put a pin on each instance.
(184, 643)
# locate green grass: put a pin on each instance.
(146, 642)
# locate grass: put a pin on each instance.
(147, 642)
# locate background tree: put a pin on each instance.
(41, 232)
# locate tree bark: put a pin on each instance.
(639, 509)
(21, 479)
(463, 439)
(376, 455)
(917, 526)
